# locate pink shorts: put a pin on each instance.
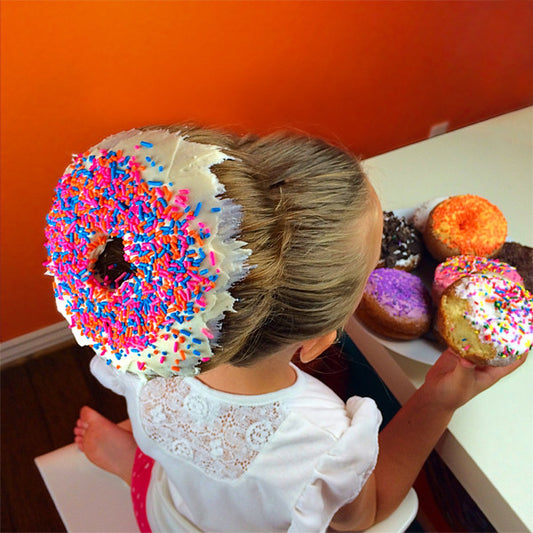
(140, 480)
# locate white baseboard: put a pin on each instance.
(33, 342)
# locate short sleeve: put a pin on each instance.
(111, 378)
(341, 473)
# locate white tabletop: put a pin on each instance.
(489, 442)
(493, 159)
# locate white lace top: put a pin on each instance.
(284, 461)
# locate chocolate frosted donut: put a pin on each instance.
(521, 257)
(400, 243)
(395, 304)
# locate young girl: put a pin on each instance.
(252, 443)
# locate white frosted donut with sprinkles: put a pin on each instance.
(487, 319)
(154, 191)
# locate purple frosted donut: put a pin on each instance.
(395, 304)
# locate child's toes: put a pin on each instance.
(81, 424)
(79, 443)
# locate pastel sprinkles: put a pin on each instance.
(501, 313)
(151, 318)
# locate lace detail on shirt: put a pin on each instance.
(220, 438)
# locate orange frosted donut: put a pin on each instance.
(465, 225)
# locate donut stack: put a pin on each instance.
(449, 267)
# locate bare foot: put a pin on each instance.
(105, 444)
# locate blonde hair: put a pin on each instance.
(301, 201)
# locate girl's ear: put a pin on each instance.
(312, 348)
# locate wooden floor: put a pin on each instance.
(41, 399)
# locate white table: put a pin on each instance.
(489, 442)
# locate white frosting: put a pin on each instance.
(179, 165)
(501, 311)
(420, 216)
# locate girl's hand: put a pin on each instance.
(452, 380)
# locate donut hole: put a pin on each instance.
(466, 222)
(111, 268)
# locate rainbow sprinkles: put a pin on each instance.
(501, 312)
(154, 191)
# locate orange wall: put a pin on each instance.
(374, 75)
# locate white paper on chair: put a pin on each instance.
(87, 498)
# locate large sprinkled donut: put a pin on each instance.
(154, 192)
(465, 225)
(487, 319)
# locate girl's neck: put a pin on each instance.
(268, 375)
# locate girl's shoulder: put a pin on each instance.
(325, 410)
(308, 401)
(223, 434)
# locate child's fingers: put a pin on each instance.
(483, 377)
(495, 373)
(446, 362)
(465, 362)
(456, 380)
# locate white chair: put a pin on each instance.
(90, 499)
